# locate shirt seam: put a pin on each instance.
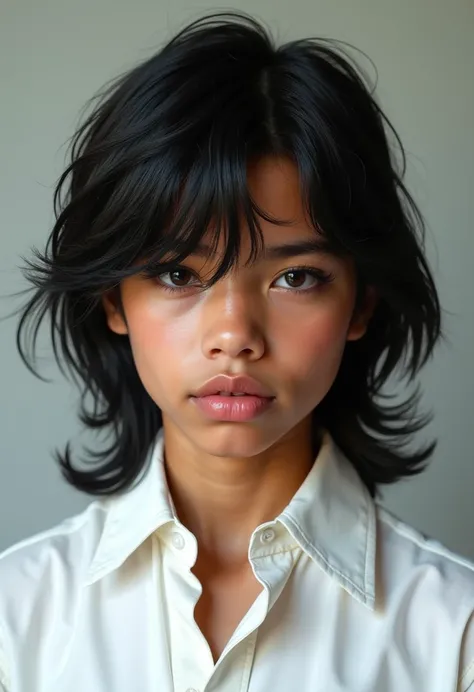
(370, 556)
(248, 661)
(286, 549)
(464, 676)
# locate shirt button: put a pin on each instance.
(178, 540)
(267, 536)
(191, 689)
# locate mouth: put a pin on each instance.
(233, 394)
(235, 399)
(232, 407)
(237, 386)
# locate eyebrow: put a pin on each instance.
(284, 251)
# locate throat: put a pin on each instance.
(227, 595)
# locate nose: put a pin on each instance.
(233, 326)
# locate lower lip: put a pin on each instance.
(232, 408)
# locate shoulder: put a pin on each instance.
(44, 575)
(52, 554)
(430, 590)
(41, 582)
(411, 552)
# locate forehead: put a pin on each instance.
(274, 186)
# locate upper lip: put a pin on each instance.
(232, 385)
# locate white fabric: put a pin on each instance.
(353, 600)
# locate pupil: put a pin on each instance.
(291, 276)
(175, 276)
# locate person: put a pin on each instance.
(235, 270)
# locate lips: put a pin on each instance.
(225, 385)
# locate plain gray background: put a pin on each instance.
(55, 54)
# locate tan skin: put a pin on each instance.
(227, 478)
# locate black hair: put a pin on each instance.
(164, 153)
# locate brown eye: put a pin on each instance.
(296, 279)
(303, 279)
(179, 277)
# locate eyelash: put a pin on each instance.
(323, 278)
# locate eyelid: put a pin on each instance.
(303, 268)
(323, 276)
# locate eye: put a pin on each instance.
(176, 280)
(304, 279)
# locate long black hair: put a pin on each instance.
(162, 154)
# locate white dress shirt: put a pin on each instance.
(352, 599)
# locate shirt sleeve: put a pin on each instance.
(466, 669)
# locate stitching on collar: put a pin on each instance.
(364, 595)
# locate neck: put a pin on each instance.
(222, 500)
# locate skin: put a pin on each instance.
(226, 478)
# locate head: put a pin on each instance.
(235, 207)
(283, 318)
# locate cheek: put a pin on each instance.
(319, 341)
(159, 344)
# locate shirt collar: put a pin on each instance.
(133, 515)
(331, 516)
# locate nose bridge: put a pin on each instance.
(233, 321)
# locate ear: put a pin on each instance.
(362, 315)
(113, 312)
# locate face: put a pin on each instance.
(284, 321)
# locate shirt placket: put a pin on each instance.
(232, 672)
(191, 659)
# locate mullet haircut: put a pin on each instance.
(166, 146)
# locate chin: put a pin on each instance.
(235, 440)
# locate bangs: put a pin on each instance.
(212, 202)
(212, 206)
(158, 215)
(151, 227)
